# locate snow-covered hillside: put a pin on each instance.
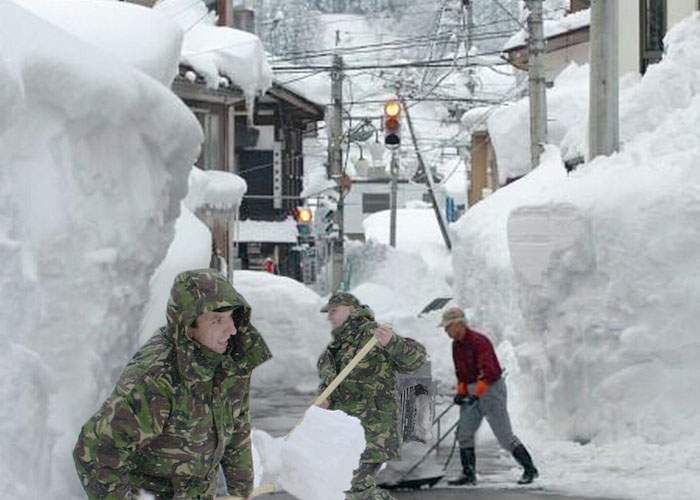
(95, 161)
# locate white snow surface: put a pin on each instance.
(589, 282)
(219, 51)
(552, 28)
(288, 316)
(315, 461)
(190, 249)
(138, 36)
(95, 161)
(214, 189)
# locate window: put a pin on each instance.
(375, 202)
(652, 30)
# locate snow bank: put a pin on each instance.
(153, 42)
(214, 189)
(218, 51)
(95, 162)
(190, 249)
(590, 282)
(666, 88)
(316, 460)
(567, 111)
(287, 313)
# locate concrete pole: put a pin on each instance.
(538, 95)
(335, 162)
(394, 196)
(603, 112)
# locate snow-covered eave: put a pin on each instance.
(558, 33)
(314, 109)
(189, 84)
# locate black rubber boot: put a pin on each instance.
(525, 460)
(468, 476)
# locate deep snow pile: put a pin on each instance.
(217, 52)
(95, 162)
(591, 282)
(287, 314)
(104, 24)
(315, 461)
(215, 189)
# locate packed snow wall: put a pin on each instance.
(95, 158)
(590, 280)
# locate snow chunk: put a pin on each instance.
(214, 189)
(214, 51)
(316, 460)
(136, 35)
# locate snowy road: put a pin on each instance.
(277, 410)
(445, 494)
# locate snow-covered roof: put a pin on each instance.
(141, 37)
(552, 28)
(219, 51)
(214, 189)
(267, 232)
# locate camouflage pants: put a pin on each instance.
(364, 485)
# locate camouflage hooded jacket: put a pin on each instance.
(369, 391)
(179, 409)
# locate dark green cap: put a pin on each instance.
(341, 299)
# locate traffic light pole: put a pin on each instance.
(394, 195)
(429, 179)
(335, 165)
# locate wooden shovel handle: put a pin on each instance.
(346, 371)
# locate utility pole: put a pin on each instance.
(429, 179)
(467, 5)
(335, 164)
(538, 95)
(603, 112)
(394, 167)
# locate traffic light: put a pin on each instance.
(303, 215)
(392, 123)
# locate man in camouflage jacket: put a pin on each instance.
(181, 406)
(369, 391)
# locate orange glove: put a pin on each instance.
(481, 387)
(462, 389)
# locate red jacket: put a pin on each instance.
(475, 361)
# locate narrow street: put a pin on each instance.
(275, 411)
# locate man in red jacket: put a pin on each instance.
(481, 392)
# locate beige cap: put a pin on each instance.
(452, 315)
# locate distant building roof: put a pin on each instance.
(552, 29)
(254, 231)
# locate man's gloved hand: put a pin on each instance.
(470, 400)
(459, 400)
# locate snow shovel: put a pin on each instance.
(405, 482)
(361, 354)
